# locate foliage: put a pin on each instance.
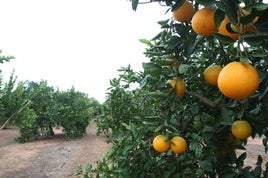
(73, 112)
(133, 116)
(42, 108)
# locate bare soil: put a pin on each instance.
(58, 157)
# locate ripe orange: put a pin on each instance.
(238, 80)
(235, 27)
(178, 144)
(179, 86)
(161, 144)
(203, 22)
(211, 74)
(184, 13)
(223, 29)
(241, 129)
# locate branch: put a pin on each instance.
(26, 103)
(202, 98)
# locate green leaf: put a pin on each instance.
(226, 116)
(206, 165)
(158, 128)
(260, 55)
(181, 29)
(157, 36)
(240, 160)
(177, 5)
(229, 174)
(206, 2)
(164, 23)
(158, 94)
(218, 17)
(250, 17)
(223, 39)
(254, 40)
(188, 47)
(145, 41)
(135, 4)
(183, 68)
(174, 41)
(231, 10)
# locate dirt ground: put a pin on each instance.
(58, 157)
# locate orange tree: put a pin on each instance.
(142, 105)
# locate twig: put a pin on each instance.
(202, 98)
(26, 103)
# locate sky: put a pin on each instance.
(78, 43)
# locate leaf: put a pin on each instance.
(183, 68)
(164, 23)
(250, 17)
(206, 165)
(157, 36)
(174, 41)
(158, 128)
(260, 55)
(223, 39)
(229, 174)
(257, 171)
(177, 5)
(135, 4)
(151, 68)
(218, 17)
(254, 40)
(158, 94)
(181, 29)
(188, 47)
(145, 41)
(206, 2)
(231, 10)
(240, 160)
(260, 160)
(88, 168)
(226, 116)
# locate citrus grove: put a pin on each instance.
(202, 93)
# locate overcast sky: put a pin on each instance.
(78, 43)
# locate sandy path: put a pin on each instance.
(48, 158)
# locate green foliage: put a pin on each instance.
(73, 112)
(38, 108)
(4, 58)
(141, 105)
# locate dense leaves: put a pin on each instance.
(36, 108)
(141, 105)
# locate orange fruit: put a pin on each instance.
(178, 144)
(161, 144)
(179, 86)
(211, 74)
(184, 13)
(238, 80)
(203, 22)
(241, 129)
(223, 29)
(235, 27)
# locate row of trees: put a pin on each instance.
(36, 108)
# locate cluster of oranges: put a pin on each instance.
(236, 80)
(177, 144)
(203, 21)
